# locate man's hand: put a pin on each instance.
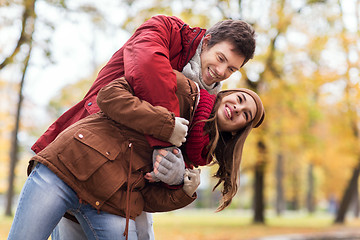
(180, 131)
(191, 181)
(169, 166)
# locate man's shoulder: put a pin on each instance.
(167, 22)
(172, 19)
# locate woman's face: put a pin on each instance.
(236, 110)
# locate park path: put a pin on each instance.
(346, 234)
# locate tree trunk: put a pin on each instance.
(259, 205)
(28, 29)
(15, 143)
(310, 203)
(280, 203)
(355, 200)
(349, 191)
(11, 179)
(259, 195)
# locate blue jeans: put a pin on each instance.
(69, 230)
(43, 201)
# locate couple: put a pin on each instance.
(97, 169)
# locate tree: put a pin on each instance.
(26, 38)
(20, 57)
(349, 41)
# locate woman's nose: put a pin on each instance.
(238, 108)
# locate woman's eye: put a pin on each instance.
(246, 116)
(240, 100)
(221, 59)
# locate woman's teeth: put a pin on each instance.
(228, 112)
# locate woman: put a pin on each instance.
(218, 133)
(90, 162)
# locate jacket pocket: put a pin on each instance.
(87, 153)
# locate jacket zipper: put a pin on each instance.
(192, 42)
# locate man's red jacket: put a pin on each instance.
(146, 60)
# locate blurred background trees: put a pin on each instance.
(306, 69)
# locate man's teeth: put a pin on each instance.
(212, 74)
(228, 112)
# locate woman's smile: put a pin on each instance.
(236, 110)
(228, 112)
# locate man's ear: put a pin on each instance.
(206, 40)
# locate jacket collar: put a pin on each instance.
(190, 38)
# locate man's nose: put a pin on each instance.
(221, 70)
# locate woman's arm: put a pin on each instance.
(157, 198)
(117, 101)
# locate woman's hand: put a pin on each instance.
(191, 181)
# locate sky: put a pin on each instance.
(78, 50)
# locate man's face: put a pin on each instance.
(219, 61)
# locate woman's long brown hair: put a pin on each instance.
(226, 150)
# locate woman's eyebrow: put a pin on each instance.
(242, 94)
(251, 116)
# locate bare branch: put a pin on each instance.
(28, 17)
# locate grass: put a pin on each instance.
(5, 223)
(237, 225)
(230, 225)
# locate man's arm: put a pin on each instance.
(147, 63)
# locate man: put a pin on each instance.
(147, 61)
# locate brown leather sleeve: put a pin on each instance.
(158, 198)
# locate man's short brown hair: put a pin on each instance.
(237, 32)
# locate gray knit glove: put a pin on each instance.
(170, 168)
